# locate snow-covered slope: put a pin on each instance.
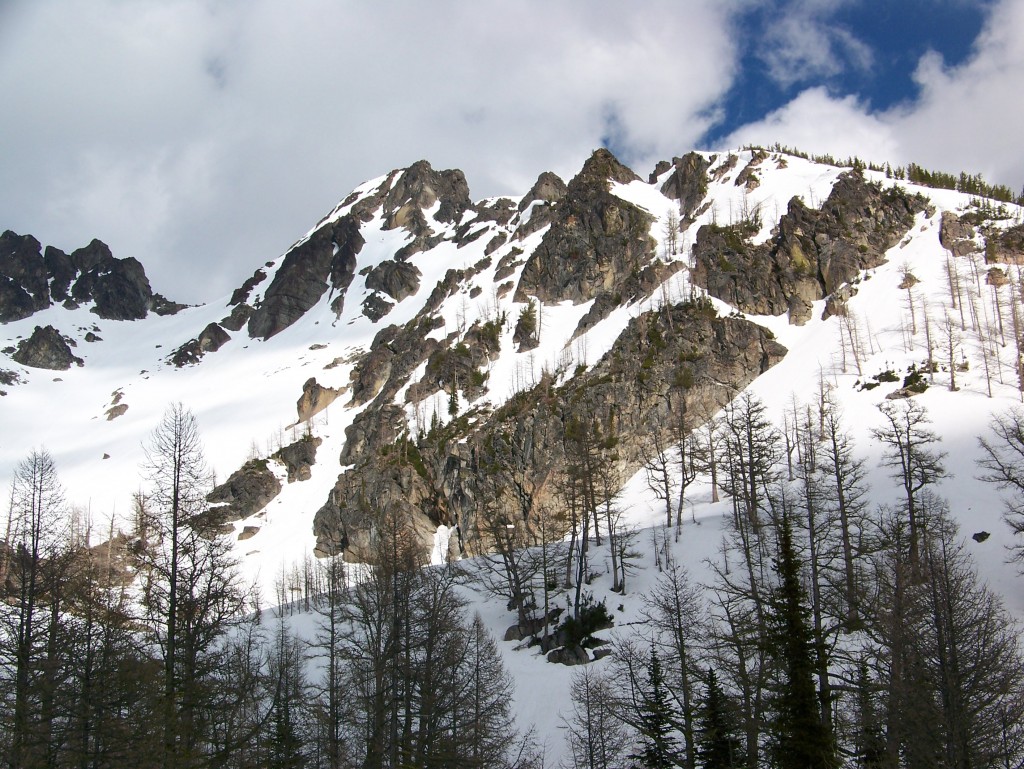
(244, 394)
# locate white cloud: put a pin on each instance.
(816, 122)
(220, 132)
(803, 43)
(209, 134)
(965, 118)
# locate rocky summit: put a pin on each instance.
(424, 354)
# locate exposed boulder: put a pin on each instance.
(210, 339)
(569, 655)
(299, 457)
(596, 242)
(47, 349)
(956, 235)
(247, 491)
(375, 306)
(237, 318)
(396, 279)
(326, 259)
(314, 399)
(161, 305)
(115, 411)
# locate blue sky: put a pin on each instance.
(870, 49)
(204, 136)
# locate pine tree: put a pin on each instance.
(801, 740)
(658, 723)
(718, 746)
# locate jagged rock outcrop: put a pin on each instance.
(688, 182)
(299, 457)
(46, 349)
(314, 399)
(210, 339)
(30, 280)
(682, 352)
(548, 190)
(812, 253)
(118, 287)
(413, 192)
(247, 491)
(325, 260)
(597, 241)
(24, 286)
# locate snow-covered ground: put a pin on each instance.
(244, 395)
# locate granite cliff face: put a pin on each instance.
(683, 358)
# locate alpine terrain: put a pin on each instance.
(718, 466)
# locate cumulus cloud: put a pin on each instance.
(964, 118)
(215, 133)
(802, 43)
(203, 137)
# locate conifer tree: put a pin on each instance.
(718, 746)
(801, 739)
(657, 723)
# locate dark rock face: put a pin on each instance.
(688, 182)
(30, 281)
(23, 279)
(327, 259)
(299, 458)
(119, 287)
(211, 339)
(396, 279)
(47, 349)
(812, 254)
(681, 353)
(161, 305)
(597, 241)
(247, 491)
(237, 318)
(376, 306)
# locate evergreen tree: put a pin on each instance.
(801, 739)
(658, 723)
(718, 746)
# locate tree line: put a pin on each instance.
(149, 651)
(832, 632)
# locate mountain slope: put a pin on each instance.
(410, 306)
